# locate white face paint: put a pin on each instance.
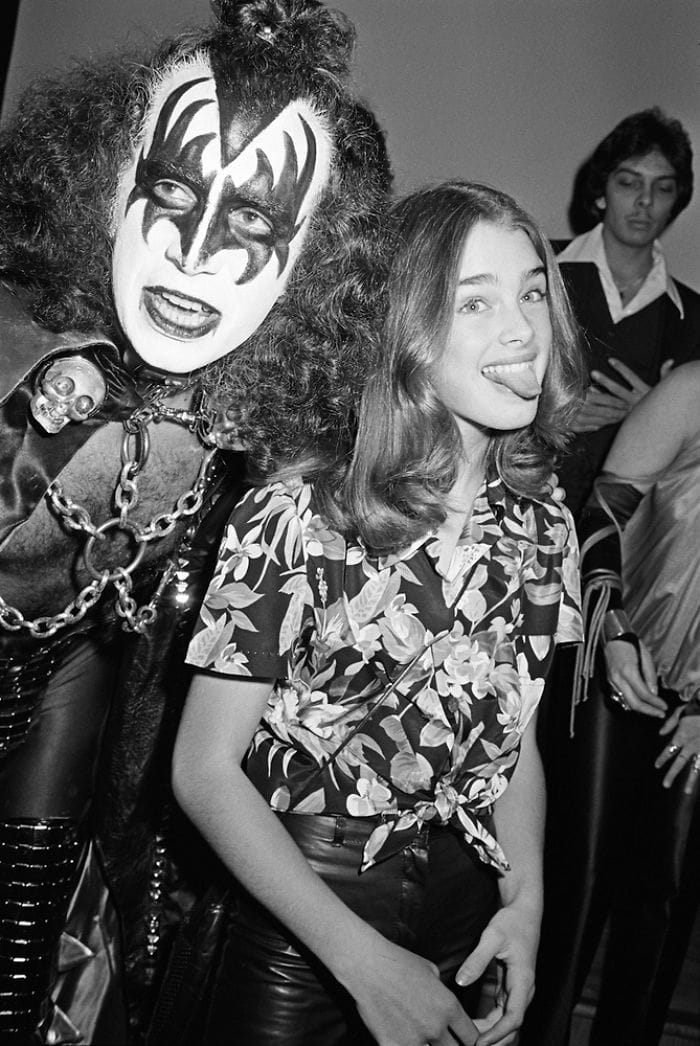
(211, 217)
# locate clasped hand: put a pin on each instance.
(403, 1002)
(632, 676)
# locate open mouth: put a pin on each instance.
(178, 315)
(519, 378)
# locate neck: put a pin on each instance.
(627, 263)
(469, 478)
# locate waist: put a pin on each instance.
(342, 829)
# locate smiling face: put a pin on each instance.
(210, 218)
(639, 198)
(491, 372)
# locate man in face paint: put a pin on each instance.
(211, 218)
(182, 238)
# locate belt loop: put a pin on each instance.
(338, 832)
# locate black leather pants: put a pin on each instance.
(619, 847)
(52, 712)
(434, 898)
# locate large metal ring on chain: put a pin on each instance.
(114, 524)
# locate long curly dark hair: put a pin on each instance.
(408, 447)
(293, 386)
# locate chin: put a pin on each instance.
(168, 355)
(518, 419)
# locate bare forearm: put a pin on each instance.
(253, 844)
(519, 817)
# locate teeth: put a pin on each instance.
(500, 368)
(182, 303)
(171, 310)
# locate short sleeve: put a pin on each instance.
(252, 615)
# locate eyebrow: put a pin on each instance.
(489, 277)
(623, 169)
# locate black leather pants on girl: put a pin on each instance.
(53, 705)
(434, 897)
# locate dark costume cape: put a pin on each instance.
(152, 862)
(29, 460)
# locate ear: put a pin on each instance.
(600, 203)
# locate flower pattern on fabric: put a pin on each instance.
(401, 691)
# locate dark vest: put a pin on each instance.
(643, 341)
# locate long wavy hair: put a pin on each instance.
(408, 447)
(296, 382)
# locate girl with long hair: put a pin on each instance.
(358, 745)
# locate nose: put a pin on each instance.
(516, 328)
(644, 196)
(190, 259)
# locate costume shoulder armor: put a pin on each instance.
(24, 344)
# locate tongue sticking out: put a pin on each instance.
(520, 379)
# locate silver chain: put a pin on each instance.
(135, 450)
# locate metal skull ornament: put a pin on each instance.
(70, 389)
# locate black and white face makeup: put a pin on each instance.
(210, 218)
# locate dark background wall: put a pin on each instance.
(513, 92)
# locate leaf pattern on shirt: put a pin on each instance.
(401, 691)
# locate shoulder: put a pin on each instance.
(266, 515)
(555, 524)
(542, 522)
(691, 306)
(581, 279)
(675, 397)
(688, 294)
(25, 345)
(547, 526)
(282, 518)
(656, 429)
(681, 386)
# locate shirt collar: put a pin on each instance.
(490, 507)
(590, 248)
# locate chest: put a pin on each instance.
(42, 563)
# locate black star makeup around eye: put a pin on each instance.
(216, 208)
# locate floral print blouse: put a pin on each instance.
(400, 690)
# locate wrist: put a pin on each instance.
(616, 625)
(526, 899)
(351, 964)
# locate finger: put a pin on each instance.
(672, 722)
(461, 1031)
(612, 386)
(649, 671)
(629, 375)
(649, 702)
(636, 698)
(599, 398)
(515, 1001)
(675, 766)
(608, 413)
(667, 753)
(472, 968)
(693, 775)
(502, 1032)
(475, 963)
(490, 1019)
(596, 419)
